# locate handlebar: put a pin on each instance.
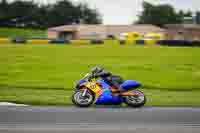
(88, 77)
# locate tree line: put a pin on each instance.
(30, 14)
(165, 14)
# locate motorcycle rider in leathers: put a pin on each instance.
(113, 80)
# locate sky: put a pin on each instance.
(126, 11)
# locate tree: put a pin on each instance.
(3, 9)
(89, 16)
(30, 14)
(64, 12)
(159, 15)
(23, 12)
(188, 14)
(198, 17)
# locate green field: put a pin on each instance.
(20, 32)
(45, 74)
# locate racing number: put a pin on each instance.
(93, 86)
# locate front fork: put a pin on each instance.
(84, 93)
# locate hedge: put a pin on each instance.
(60, 41)
(179, 43)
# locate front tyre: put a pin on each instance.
(81, 101)
(136, 101)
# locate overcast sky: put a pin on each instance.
(126, 11)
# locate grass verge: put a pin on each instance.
(45, 74)
(20, 32)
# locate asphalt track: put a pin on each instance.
(113, 120)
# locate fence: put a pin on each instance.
(147, 42)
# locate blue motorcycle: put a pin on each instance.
(93, 91)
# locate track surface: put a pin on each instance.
(62, 119)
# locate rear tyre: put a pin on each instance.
(136, 101)
(81, 101)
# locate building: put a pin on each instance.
(99, 31)
(182, 32)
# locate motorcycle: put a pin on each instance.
(90, 90)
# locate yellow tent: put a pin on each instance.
(5, 40)
(133, 36)
(153, 38)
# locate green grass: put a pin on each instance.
(25, 33)
(45, 74)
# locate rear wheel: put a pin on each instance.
(81, 101)
(135, 101)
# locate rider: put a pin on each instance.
(113, 80)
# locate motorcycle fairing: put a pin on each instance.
(103, 93)
(94, 87)
(130, 84)
(107, 97)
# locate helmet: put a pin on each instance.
(97, 69)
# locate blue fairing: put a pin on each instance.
(107, 97)
(130, 84)
(82, 81)
(104, 84)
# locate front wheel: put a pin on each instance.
(81, 101)
(138, 100)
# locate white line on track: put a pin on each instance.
(11, 104)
